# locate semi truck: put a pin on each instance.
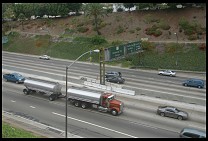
(102, 101)
(43, 87)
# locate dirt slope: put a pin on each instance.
(127, 21)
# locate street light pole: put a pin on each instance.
(67, 67)
(177, 45)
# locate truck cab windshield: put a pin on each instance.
(110, 98)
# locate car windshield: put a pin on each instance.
(177, 110)
(18, 75)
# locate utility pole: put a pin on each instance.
(102, 66)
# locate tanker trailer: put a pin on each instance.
(101, 101)
(43, 87)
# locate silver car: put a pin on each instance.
(173, 112)
(45, 57)
(167, 72)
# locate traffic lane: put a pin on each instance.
(131, 103)
(104, 119)
(128, 72)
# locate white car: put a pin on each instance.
(45, 57)
(167, 72)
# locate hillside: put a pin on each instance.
(122, 26)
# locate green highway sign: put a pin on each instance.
(116, 52)
(133, 47)
(121, 50)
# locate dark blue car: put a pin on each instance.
(14, 77)
(194, 83)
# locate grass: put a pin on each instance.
(188, 58)
(9, 131)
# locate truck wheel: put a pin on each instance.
(76, 103)
(51, 98)
(25, 91)
(84, 105)
(114, 112)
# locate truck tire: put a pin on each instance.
(114, 112)
(51, 98)
(76, 103)
(25, 91)
(84, 105)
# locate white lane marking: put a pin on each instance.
(95, 125)
(13, 101)
(32, 107)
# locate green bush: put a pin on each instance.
(131, 31)
(138, 28)
(192, 37)
(97, 40)
(120, 9)
(164, 26)
(183, 23)
(110, 10)
(80, 24)
(82, 29)
(120, 29)
(117, 42)
(157, 33)
(147, 46)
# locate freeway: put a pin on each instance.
(138, 119)
(85, 123)
(142, 82)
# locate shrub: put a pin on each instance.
(131, 31)
(192, 37)
(164, 26)
(120, 9)
(110, 10)
(82, 29)
(97, 40)
(138, 28)
(147, 46)
(120, 29)
(80, 24)
(157, 33)
(202, 47)
(183, 23)
(117, 42)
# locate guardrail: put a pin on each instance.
(109, 88)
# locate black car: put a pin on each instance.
(112, 74)
(115, 79)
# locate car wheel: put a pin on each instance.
(199, 87)
(162, 114)
(171, 75)
(6, 80)
(17, 82)
(185, 84)
(118, 82)
(107, 80)
(180, 117)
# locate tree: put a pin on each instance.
(128, 5)
(22, 17)
(74, 7)
(96, 10)
(8, 16)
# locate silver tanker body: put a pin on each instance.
(86, 96)
(43, 86)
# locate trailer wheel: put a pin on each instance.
(51, 98)
(84, 105)
(76, 103)
(114, 112)
(25, 91)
